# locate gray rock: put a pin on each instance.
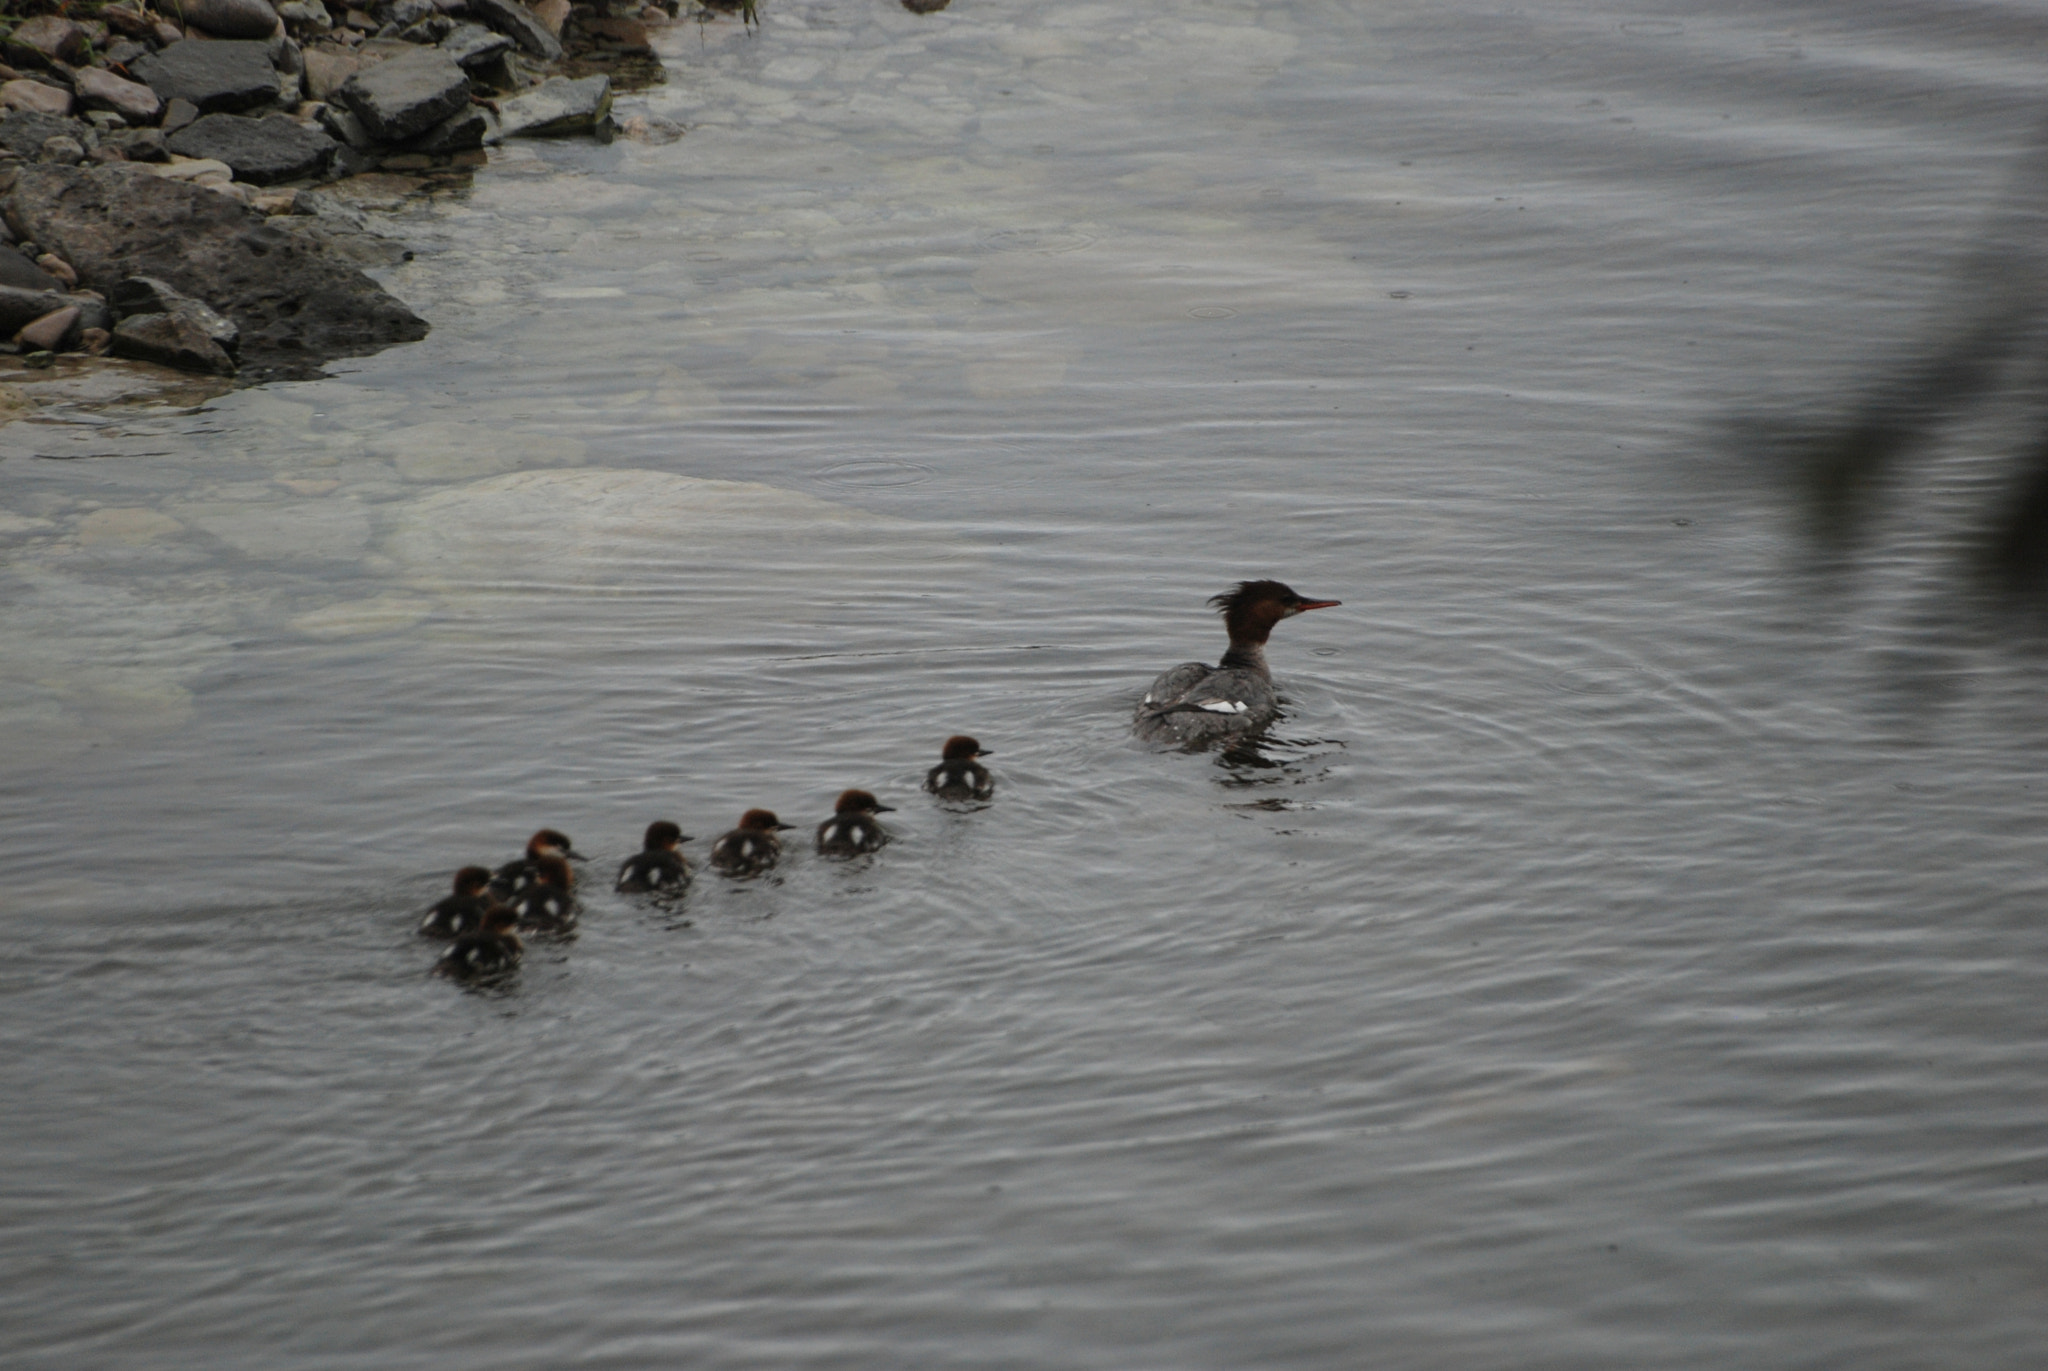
(45, 39)
(326, 69)
(23, 132)
(171, 340)
(472, 45)
(102, 90)
(407, 95)
(127, 19)
(54, 332)
(141, 145)
(295, 301)
(20, 307)
(557, 106)
(471, 128)
(515, 19)
(20, 273)
(62, 149)
(223, 77)
(261, 151)
(403, 14)
(286, 55)
(350, 161)
(147, 295)
(305, 17)
(330, 210)
(345, 127)
(92, 311)
(177, 115)
(231, 18)
(500, 71)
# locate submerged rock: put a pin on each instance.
(596, 527)
(172, 340)
(261, 151)
(557, 106)
(147, 295)
(294, 298)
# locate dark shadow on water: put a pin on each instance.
(1989, 346)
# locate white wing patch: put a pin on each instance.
(1223, 706)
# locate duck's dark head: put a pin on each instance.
(553, 871)
(471, 880)
(499, 918)
(552, 842)
(1251, 610)
(860, 802)
(961, 748)
(762, 821)
(663, 836)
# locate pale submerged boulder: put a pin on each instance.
(603, 530)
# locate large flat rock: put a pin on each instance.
(219, 77)
(557, 106)
(296, 302)
(261, 151)
(407, 95)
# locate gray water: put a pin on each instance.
(1626, 952)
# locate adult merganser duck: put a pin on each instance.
(546, 905)
(514, 877)
(958, 776)
(752, 847)
(658, 868)
(463, 912)
(1198, 703)
(492, 950)
(852, 829)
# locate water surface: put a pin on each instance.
(1620, 955)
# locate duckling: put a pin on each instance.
(492, 950)
(463, 912)
(658, 868)
(514, 877)
(751, 848)
(547, 905)
(852, 829)
(958, 776)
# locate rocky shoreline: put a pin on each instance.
(173, 181)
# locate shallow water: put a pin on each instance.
(1626, 953)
